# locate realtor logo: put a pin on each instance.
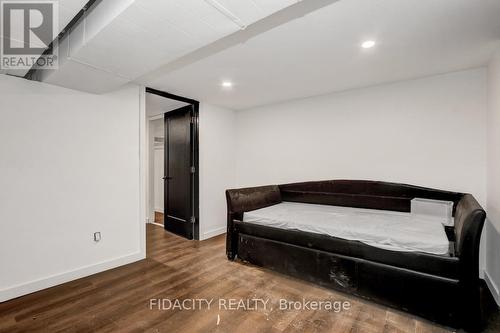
(28, 29)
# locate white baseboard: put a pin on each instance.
(213, 233)
(54, 280)
(493, 287)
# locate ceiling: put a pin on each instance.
(272, 50)
(156, 105)
(150, 33)
(67, 10)
(321, 53)
(119, 41)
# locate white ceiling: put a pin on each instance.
(288, 49)
(156, 105)
(67, 10)
(130, 39)
(320, 52)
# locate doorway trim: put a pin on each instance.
(196, 160)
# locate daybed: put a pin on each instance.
(270, 226)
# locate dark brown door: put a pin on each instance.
(179, 172)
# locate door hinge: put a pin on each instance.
(192, 219)
(193, 169)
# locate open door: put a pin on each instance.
(180, 170)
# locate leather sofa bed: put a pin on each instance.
(442, 288)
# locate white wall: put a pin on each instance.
(493, 206)
(155, 166)
(159, 161)
(217, 168)
(60, 182)
(69, 166)
(428, 132)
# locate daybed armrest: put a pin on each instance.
(469, 221)
(244, 200)
(252, 198)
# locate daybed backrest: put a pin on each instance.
(252, 198)
(363, 194)
(469, 215)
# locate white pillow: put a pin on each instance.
(439, 209)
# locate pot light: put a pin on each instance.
(368, 44)
(227, 84)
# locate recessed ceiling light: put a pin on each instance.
(227, 84)
(368, 44)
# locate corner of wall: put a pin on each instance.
(143, 170)
(217, 167)
(492, 269)
(492, 226)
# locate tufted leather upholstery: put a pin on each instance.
(252, 198)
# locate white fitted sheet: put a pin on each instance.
(396, 231)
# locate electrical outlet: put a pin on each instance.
(97, 236)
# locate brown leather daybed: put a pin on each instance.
(441, 287)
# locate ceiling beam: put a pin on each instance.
(281, 17)
(171, 96)
(32, 72)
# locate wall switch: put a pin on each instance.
(97, 236)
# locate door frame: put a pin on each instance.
(195, 191)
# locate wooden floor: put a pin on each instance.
(119, 300)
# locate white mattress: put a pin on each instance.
(384, 229)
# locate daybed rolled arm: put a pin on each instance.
(469, 221)
(244, 200)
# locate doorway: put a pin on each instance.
(173, 163)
